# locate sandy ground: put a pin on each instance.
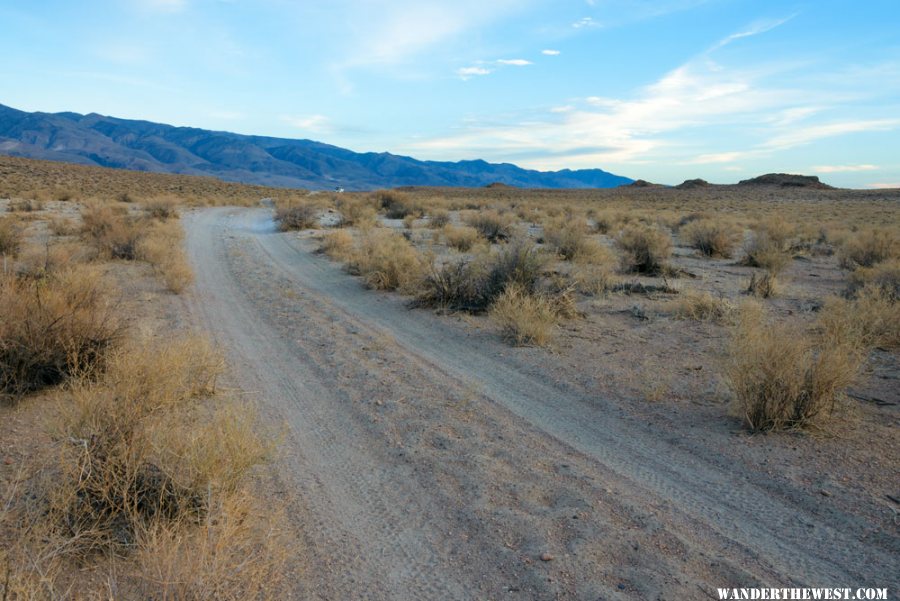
(429, 460)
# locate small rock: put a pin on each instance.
(8, 461)
(825, 493)
(546, 557)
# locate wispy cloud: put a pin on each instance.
(468, 72)
(550, 52)
(883, 185)
(514, 62)
(667, 120)
(585, 22)
(844, 168)
(753, 29)
(311, 123)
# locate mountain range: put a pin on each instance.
(145, 146)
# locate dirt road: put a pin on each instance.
(430, 462)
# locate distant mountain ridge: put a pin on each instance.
(146, 146)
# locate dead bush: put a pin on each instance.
(162, 246)
(491, 225)
(867, 249)
(763, 284)
(461, 238)
(524, 317)
(115, 234)
(702, 306)
(439, 218)
(783, 378)
(769, 246)
(645, 250)
(472, 285)
(396, 205)
(355, 211)
(338, 245)
(387, 261)
(162, 208)
(53, 328)
(570, 240)
(297, 217)
(712, 237)
(885, 276)
(10, 237)
(871, 319)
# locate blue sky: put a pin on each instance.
(662, 90)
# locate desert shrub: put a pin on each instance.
(702, 306)
(593, 278)
(763, 284)
(872, 319)
(409, 221)
(439, 218)
(38, 262)
(10, 237)
(472, 285)
(297, 217)
(570, 240)
(491, 225)
(461, 238)
(868, 249)
(338, 245)
(60, 226)
(396, 205)
(885, 276)
(162, 208)
(645, 250)
(26, 205)
(114, 233)
(387, 261)
(355, 211)
(524, 317)
(53, 328)
(712, 237)
(162, 246)
(769, 246)
(783, 378)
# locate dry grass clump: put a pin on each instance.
(570, 240)
(387, 261)
(493, 226)
(162, 208)
(703, 306)
(462, 238)
(297, 217)
(473, 285)
(113, 232)
(524, 317)
(869, 248)
(338, 245)
(763, 284)
(438, 219)
(61, 226)
(150, 487)
(769, 246)
(26, 205)
(396, 205)
(871, 319)
(10, 237)
(783, 377)
(355, 211)
(885, 276)
(52, 328)
(162, 246)
(645, 250)
(712, 237)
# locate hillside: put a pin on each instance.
(98, 140)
